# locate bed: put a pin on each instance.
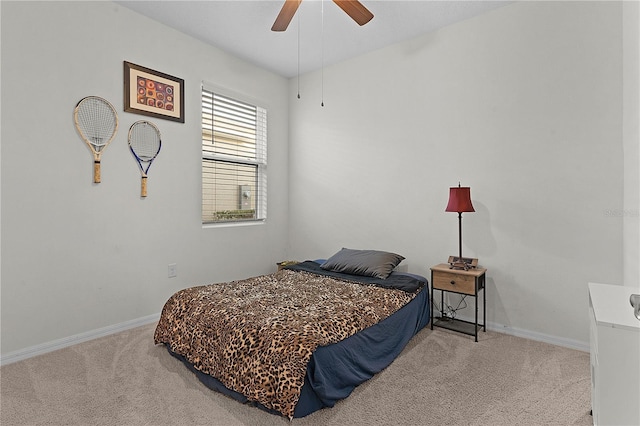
(300, 339)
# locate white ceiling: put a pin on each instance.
(324, 33)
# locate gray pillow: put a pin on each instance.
(371, 263)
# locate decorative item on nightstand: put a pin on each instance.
(285, 263)
(460, 202)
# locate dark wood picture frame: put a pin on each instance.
(153, 93)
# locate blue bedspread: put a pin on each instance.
(334, 371)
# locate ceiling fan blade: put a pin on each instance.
(286, 15)
(355, 10)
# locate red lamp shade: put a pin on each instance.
(460, 200)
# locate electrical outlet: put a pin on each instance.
(173, 270)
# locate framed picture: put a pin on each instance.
(153, 93)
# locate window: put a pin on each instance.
(234, 160)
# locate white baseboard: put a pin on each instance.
(541, 337)
(533, 335)
(43, 348)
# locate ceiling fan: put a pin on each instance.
(353, 8)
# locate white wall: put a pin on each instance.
(631, 135)
(78, 256)
(524, 105)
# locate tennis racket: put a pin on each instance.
(97, 122)
(144, 143)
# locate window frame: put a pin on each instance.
(260, 161)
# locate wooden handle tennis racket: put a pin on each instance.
(97, 122)
(144, 143)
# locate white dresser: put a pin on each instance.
(615, 356)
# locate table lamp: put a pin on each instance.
(460, 202)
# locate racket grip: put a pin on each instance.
(96, 172)
(143, 190)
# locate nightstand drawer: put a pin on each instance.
(454, 282)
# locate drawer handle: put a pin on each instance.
(453, 282)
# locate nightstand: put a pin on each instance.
(468, 283)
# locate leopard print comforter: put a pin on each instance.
(256, 336)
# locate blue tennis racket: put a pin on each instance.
(144, 143)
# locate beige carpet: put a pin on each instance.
(441, 378)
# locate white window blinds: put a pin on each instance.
(234, 159)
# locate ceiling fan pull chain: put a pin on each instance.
(298, 57)
(322, 56)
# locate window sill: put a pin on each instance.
(233, 224)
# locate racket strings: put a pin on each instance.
(97, 121)
(145, 142)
